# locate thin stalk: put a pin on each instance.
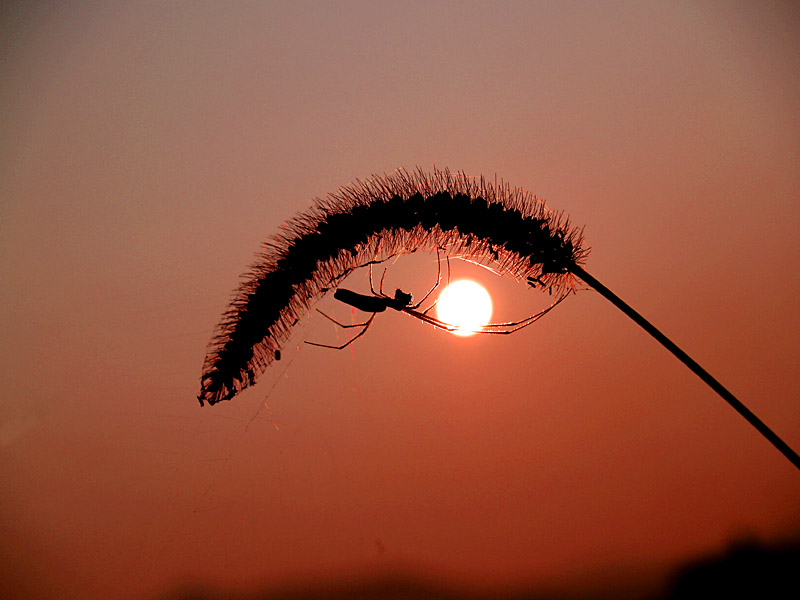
(689, 362)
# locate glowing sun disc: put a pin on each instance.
(466, 305)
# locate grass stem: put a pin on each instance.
(687, 360)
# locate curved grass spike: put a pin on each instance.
(373, 220)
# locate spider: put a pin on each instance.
(401, 301)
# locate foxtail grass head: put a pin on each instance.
(369, 221)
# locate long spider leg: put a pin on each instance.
(448, 327)
(524, 324)
(349, 270)
(492, 328)
(380, 288)
(505, 328)
(366, 325)
(371, 285)
(447, 279)
(379, 293)
(478, 264)
(435, 285)
(428, 319)
(330, 318)
(527, 319)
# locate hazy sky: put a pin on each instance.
(147, 150)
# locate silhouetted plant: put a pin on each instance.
(370, 221)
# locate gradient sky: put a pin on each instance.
(147, 150)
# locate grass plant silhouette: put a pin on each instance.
(368, 222)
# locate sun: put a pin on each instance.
(465, 304)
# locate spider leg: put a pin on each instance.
(347, 271)
(371, 285)
(365, 325)
(428, 319)
(447, 282)
(435, 285)
(379, 293)
(492, 328)
(330, 318)
(506, 328)
(380, 288)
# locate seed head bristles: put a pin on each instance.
(369, 221)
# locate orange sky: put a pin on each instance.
(147, 150)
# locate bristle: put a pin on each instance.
(372, 220)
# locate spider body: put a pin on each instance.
(375, 303)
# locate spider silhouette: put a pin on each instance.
(401, 301)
